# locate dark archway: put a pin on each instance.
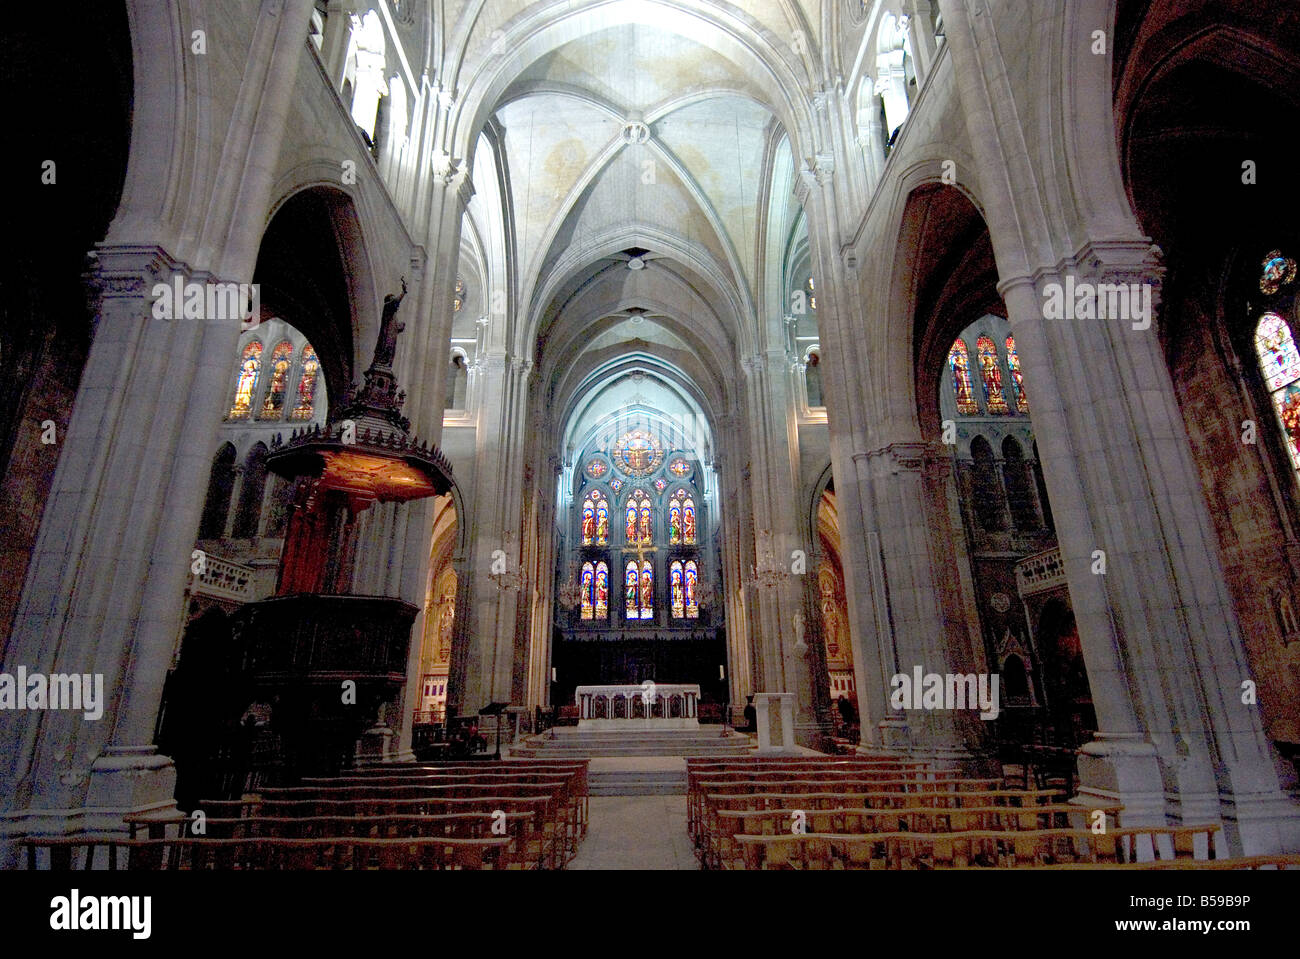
(307, 276)
(1065, 680)
(248, 514)
(66, 162)
(221, 484)
(199, 719)
(1204, 105)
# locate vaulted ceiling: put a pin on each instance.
(641, 169)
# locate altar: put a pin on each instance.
(648, 705)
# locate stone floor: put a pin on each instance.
(636, 832)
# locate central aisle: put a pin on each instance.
(636, 832)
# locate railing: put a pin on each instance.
(1040, 572)
(646, 703)
(222, 579)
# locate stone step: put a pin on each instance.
(657, 782)
(638, 740)
(573, 743)
(627, 751)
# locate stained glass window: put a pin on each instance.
(595, 519)
(660, 485)
(692, 600)
(679, 467)
(250, 365)
(602, 591)
(1017, 378)
(588, 584)
(959, 361)
(632, 592)
(273, 405)
(1278, 271)
(647, 591)
(991, 374)
(1280, 363)
(1278, 357)
(596, 469)
(677, 590)
(674, 521)
(306, 405)
(638, 453)
(616, 484)
(639, 519)
(688, 519)
(458, 300)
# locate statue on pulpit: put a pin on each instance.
(386, 345)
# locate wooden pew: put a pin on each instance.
(722, 851)
(1264, 861)
(335, 853)
(890, 799)
(853, 781)
(568, 805)
(548, 819)
(983, 848)
(529, 850)
(577, 768)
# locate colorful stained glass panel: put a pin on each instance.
(602, 591)
(1017, 378)
(305, 408)
(991, 374)
(273, 404)
(587, 583)
(250, 365)
(959, 362)
(1278, 357)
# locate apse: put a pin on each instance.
(638, 569)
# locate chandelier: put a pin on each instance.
(705, 594)
(768, 572)
(570, 592)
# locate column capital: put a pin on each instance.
(453, 173)
(1120, 260)
(905, 457)
(128, 269)
(1104, 280)
(817, 171)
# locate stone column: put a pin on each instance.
(850, 420)
(1164, 654)
(1161, 644)
(336, 43)
(777, 542)
(104, 590)
(394, 552)
(460, 639)
(921, 31)
(909, 519)
(498, 581)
